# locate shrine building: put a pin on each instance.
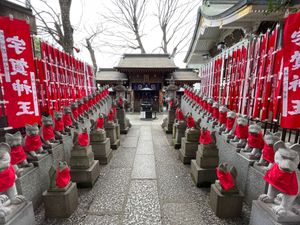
(145, 76)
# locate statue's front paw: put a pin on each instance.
(3, 198)
(18, 200)
(265, 198)
(4, 211)
(279, 210)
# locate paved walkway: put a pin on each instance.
(145, 183)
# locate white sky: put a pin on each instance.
(87, 13)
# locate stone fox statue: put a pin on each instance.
(47, 131)
(241, 132)
(17, 153)
(59, 176)
(33, 144)
(8, 191)
(283, 178)
(59, 128)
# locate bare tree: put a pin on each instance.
(129, 15)
(174, 17)
(56, 24)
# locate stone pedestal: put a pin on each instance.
(21, 214)
(261, 214)
(170, 121)
(61, 204)
(102, 151)
(84, 169)
(111, 132)
(188, 151)
(225, 205)
(203, 169)
(178, 133)
(256, 185)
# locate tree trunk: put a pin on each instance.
(92, 54)
(137, 35)
(68, 42)
(165, 44)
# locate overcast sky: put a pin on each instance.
(86, 14)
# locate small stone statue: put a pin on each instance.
(80, 110)
(86, 107)
(230, 120)
(68, 120)
(241, 132)
(206, 138)
(226, 182)
(33, 145)
(47, 132)
(284, 180)
(8, 191)
(98, 133)
(210, 103)
(222, 118)
(215, 113)
(268, 152)
(17, 153)
(255, 142)
(81, 139)
(190, 122)
(59, 127)
(60, 177)
(74, 109)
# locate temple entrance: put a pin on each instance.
(146, 97)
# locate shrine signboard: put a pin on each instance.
(17, 72)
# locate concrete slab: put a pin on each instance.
(145, 147)
(144, 167)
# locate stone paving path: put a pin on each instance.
(145, 183)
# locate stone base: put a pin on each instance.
(225, 205)
(124, 131)
(188, 149)
(176, 144)
(86, 177)
(184, 159)
(102, 151)
(61, 204)
(261, 213)
(21, 215)
(169, 128)
(115, 145)
(201, 176)
(256, 185)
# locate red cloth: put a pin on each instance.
(75, 113)
(17, 155)
(7, 178)
(85, 106)
(180, 115)
(63, 177)
(114, 109)
(241, 131)
(285, 182)
(67, 120)
(100, 123)
(229, 123)
(226, 179)
(205, 138)
(268, 153)
(58, 124)
(223, 117)
(209, 108)
(215, 113)
(110, 116)
(255, 141)
(83, 139)
(48, 133)
(120, 102)
(80, 109)
(171, 104)
(32, 143)
(190, 122)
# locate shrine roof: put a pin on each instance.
(110, 75)
(184, 75)
(146, 61)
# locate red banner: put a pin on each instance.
(17, 67)
(291, 73)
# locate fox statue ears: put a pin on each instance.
(30, 126)
(277, 134)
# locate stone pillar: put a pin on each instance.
(189, 145)
(101, 146)
(111, 131)
(178, 132)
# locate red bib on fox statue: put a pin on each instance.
(268, 153)
(225, 179)
(229, 123)
(223, 117)
(58, 125)
(180, 115)
(32, 143)
(67, 120)
(17, 155)
(48, 133)
(100, 123)
(255, 141)
(205, 138)
(75, 113)
(241, 131)
(80, 109)
(63, 177)
(83, 139)
(110, 116)
(215, 113)
(190, 122)
(7, 178)
(285, 182)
